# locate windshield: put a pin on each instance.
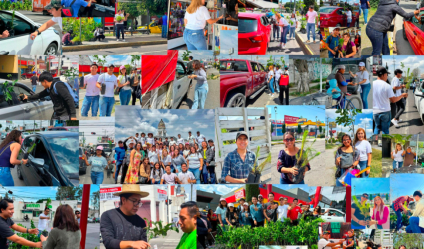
(247, 25)
(73, 129)
(326, 10)
(233, 66)
(352, 68)
(64, 149)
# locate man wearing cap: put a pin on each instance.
(261, 200)
(401, 205)
(92, 94)
(332, 42)
(397, 88)
(323, 243)
(238, 163)
(200, 138)
(122, 227)
(257, 211)
(282, 208)
(54, 8)
(126, 161)
(188, 224)
(119, 157)
(382, 97)
(107, 83)
(358, 219)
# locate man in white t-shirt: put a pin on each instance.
(180, 140)
(382, 97)
(172, 142)
(92, 94)
(191, 139)
(54, 8)
(185, 176)
(107, 83)
(397, 87)
(323, 243)
(282, 208)
(200, 138)
(43, 222)
(169, 178)
(120, 24)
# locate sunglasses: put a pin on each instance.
(288, 140)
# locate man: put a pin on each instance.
(268, 211)
(185, 176)
(166, 142)
(417, 216)
(358, 219)
(78, 216)
(63, 102)
(34, 80)
(341, 82)
(180, 140)
(382, 97)
(107, 82)
(238, 163)
(67, 38)
(397, 88)
(350, 240)
(210, 160)
(311, 16)
(191, 139)
(137, 138)
(323, 243)
(401, 205)
(120, 24)
(283, 208)
(261, 200)
(76, 5)
(122, 227)
(153, 156)
(240, 206)
(92, 94)
(126, 160)
(190, 66)
(332, 42)
(164, 20)
(293, 212)
(200, 138)
(256, 210)
(7, 225)
(119, 158)
(44, 218)
(169, 177)
(54, 8)
(172, 142)
(143, 138)
(188, 224)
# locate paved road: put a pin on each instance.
(403, 46)
(86, 179)
(292, 47)
(412, 123)
(17, 181)
(160, 49)
(212, 100)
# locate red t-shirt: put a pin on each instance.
(294, 213)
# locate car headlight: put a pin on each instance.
(57, 32)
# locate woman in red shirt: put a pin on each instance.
(213, 219)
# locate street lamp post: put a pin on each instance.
(275, 120)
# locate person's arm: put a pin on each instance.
(21, 241)
(36, 96)
(220, 219)
(201, 163)
(360, 222)
(266, 216)
(396, 99)
(399, 10)
(63, 92)
(42, 28)
(227, 215)
(51, 241)
(15, 153)
(23, 229)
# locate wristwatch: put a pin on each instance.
(38, 32)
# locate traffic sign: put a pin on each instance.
(162, 194)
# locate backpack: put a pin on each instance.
(68, 11)
(284, 80)
(74, 96)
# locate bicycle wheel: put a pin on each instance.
(354, 103)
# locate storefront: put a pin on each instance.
(292, 124)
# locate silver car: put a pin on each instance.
(16, 109)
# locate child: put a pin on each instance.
(333, 90)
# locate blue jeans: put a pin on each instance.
(276, 86)
(90, 101)
(195, 39)
(119, 29)
(6, 178)
(398, 163)
(34, 87)
(284, 181)
(164, 31)
(399, 218)
(292, 32)
(200, 95)
(205, 175)
(97, 177)
(365, 15)
(364, 94)
(379, 41)
(271, 85)
(276, 29)
(310, 27)
(382, 122)
(363, 165)
(196, 173)
(284, 33)
(125, 97)
(106, 106)
(413, 225)
(118, 167)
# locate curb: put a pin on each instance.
(302, 44)
(116, 45)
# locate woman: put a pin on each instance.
(245, 216)
(195, 20)
(181, 149)
(350, 157)
(186, 150)
(284, 88)
(348, 48)
(201, 89)
(136, 157)
(381, 23)
(285, 26)
(166, 159)
(348, 17)
(357, 42)
(363, 79)
(397, 156)
(221, 211)
(380, 214)
(364, 149)
(293, 26)
(213, 219)
(135, 86)
(156, 174)
(232, 216)
(98, 164)
(9, 151)
(65, 233)
(409, 157)
(287, 160)
(196, 146)
(177, 160)
(271, 80)
(143, 175)
(172, 149)
(124, 85)
(195, 163)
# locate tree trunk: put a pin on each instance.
(302, 68)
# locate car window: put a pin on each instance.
(19, 91)
(41, 152)
(28, 143)
(335, 213)
(340, 12)
(180, 70)
(19, 26)
(326, 10)
(262, 68)
(234, 66)
(247, 25)
(3, 102)
(254, 66)
(64, 150)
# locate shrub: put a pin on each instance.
(27, 236)
(88, 25)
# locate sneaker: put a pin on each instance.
(395, 123)
(307, 41)
(400, 120)
(117, 39)
(123, 40)
(284, 46)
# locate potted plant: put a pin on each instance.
(7, 88)
(363, 208)
(155, 229)
(256, 172)
(27, 236)
(303, 25)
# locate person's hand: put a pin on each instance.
(24, 161)
(210, 230)
(140, 245)
(222, 16)
(362, 223)
(341, 241)
(5, 34)
(246, 214)
(338, 160)
(368, 172)
(405, 95)
(256, 208)
(255, 222)
(73, 118)
(221, 224)
(416, 12)
(350, 72)
(333, 90)
(25, 97)
(33, 35)
(269, 219)
(42, 238)
(294, 171)
(39, 244)
(128, 14)
(33, 231)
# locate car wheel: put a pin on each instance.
(18, 171)
(236, 100)
(404, 33)
(51, 49)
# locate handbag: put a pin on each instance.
(338, 173)
(68, 11)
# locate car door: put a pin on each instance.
(263, 75)
(19, 41)
(342, 19)
(416, 36)
(334, 216)
(181, 84)
(39, 109)
(267, 27)
(255, 75)
(9, 109)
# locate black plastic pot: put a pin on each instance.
(299, 177)
(26, 156)
(103, 89)
(254, 178)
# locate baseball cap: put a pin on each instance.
(54, 4)
(121, 67)
(260, 195)
(280, 198)
(241, 133)
(231, 205)
(381, 71)
(361, 64)
(245, 204)
(222, 199)
(99, 147)
(341, 67)
(111, 65)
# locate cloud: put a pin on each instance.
(367, 111)
(201, 125)
(331, 113)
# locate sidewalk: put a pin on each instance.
(110, 42)
(168, 242)
(309, 48)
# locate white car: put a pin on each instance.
(333, 215)
(419, 100)
(19, 42)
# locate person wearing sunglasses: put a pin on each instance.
(122, 227)
(287, 160)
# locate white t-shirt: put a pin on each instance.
(90, 81)
(169, 179)
(110, 81)
(197, 20)
(180, 140)
(200, 139)
(364, 147)
(363, 75)
(150, 140)
(184, 177)
(121, 15)
(395, 83)
(398, 156)
(172, 142)
(282, 212)
(382, 92)
(43, 224)
(284, 22)
(294, 20)
(278, 74)
(322, 244)
(122, 79)
(270, 73)
(349, 14)
(58, 20)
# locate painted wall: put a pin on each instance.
(314, 71)
(8, 65)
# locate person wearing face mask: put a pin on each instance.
(364, 149)
(363, 79)
(54, 8)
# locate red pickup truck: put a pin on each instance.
(240, 79)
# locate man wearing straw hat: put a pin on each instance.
(122, 227)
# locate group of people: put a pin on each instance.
(401, 205)
(149, 160)
(280, 25)
(278, 81)
(402, 157)
(380, 214)
(348, 49)
(101, 90)
(349, 242)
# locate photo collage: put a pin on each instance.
(211, 124)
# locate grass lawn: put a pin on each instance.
(312, 89)
(371, 12)
(329, 146)
(376, 166)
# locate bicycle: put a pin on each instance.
(348, 103)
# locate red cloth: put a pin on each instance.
(284, 80)
(157, 70)
(294, 213)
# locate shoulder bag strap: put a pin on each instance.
(5, 148)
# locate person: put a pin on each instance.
(120, 23)
(195, 19)
(210, 161)
(334, 91)
(185, 176)
(365, 5)
(125, 163)
(122, 227)
(66, 232)
(380, 214)
(195, 163)
(63, 102)
(348, 17)
(34, 79)
(43, 221)
(124, 85)
(180, 140)
(363, 79)
(349, 154)
(107, 82)
(282, 209)
(213, 219)
(98, 164)
(78, 216)
(134, 170)
(397, 156)
(221, 211)
(275, 26)
(357, 42)
(261, 200)
(204, 227)
(9, 152)
(257, 211)
(199, 139)
(341, 82)
(135, 83)
(153, 155)
(191, 139)
(156, 173)
(172, 142)
(99, 34)
(188, 224)
(350, 240)
(287, 160)
(293, 26)
(201, 89)
(150, 139)
(409, 157)
(382, 97)
(418, 214)
(177, 160)
(76, 5)
(169, 178)
(268, 207)
(67, 38)
(358, 218)
(54, 8)
(232, 216)
(397, 88)
(293, 212)
(380, 23)
(348, 47)
(271, 80)
(323, 243)
(311, 16)
(238, 163)
(285, 26)
(119, 158)
(245, 216)
(364, 149)
(7, 226)
(92, 94)
(165, 157)
(163, 22)
(142, 139)
(400, 205)
(190, 65)
(332, 42)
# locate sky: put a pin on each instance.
(408, 60)
(363, 120)
(370, 185)
(100, 127)
(228, 40)
(117, 60)
(176, 122)
(197, 54)
(306, 111)
(29, 124)
(258, 58)
(405, 184)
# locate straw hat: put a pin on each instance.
(131, 189)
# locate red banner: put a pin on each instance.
(290, 119)
(110, 190)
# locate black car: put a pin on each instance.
(82, 165)
(51, 159)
